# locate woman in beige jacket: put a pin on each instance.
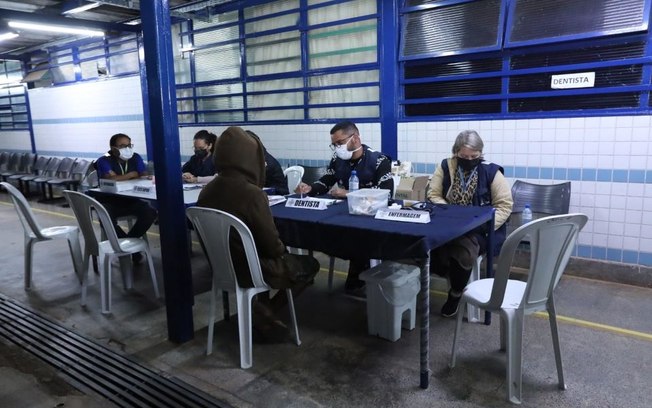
(464, 179)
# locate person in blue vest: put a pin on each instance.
(122, 163)
(201, 167)
(274, 177)
(374, 171)
(465, 179)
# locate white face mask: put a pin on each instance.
(126, 153)
(342, 151)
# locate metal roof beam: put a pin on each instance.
(135, 5)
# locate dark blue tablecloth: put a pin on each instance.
(335, 232)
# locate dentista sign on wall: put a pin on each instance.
(570, 81)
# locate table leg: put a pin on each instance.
(424, 313)
(490, 258)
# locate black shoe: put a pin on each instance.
(355, 287)
(359, 292)
(451, 306)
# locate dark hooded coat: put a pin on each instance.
(237, 189)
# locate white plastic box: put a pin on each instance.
(392, 290)
(367, 201)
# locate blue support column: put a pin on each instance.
(155, 15)
(149, 142)
(24, 64)
(388, 57)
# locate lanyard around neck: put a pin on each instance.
(125, 168)
(466, 181)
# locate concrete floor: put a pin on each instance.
(605, 332)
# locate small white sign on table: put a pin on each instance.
(419, 217)
(306, 203)
(144, 189)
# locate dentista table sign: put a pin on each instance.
(306, 203)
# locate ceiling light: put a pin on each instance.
(8, 36)
(56, 29)
(83, 7)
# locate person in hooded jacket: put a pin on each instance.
(237, 190)
(274, 177)
(122, 163)
(464, 179)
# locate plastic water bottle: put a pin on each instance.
(526, 215)
(354, 183)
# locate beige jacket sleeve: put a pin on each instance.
(501, 199)
(501, 194)
(435, 190)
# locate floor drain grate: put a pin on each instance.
(94, 367)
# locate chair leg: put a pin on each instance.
(458, 328)
(152, 273)
(127, 268)
(293, 316)
(473, 313)
(514, 334)
(243, 298)
(105, 284)
(331, 272)
(75, 254)
(84, 275)
(29, 256)
(503, 337)
(211, 320)
(552, 317)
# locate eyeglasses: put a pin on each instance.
(124, 146)
(342, 142)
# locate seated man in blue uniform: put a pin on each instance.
(374, 171)
(121, 163)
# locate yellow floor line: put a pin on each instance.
(563, 319)
(598, 326)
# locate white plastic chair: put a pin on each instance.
(109, 249)
(294, 174)
(552, 242)
(214, 228)
(34, 233)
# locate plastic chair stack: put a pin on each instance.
(293, 175)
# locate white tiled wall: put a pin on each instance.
(78, 120)
(607, 160)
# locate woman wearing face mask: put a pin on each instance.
(200, 168)
(121, 163)
(464, 179)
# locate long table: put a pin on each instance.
(335, 232)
